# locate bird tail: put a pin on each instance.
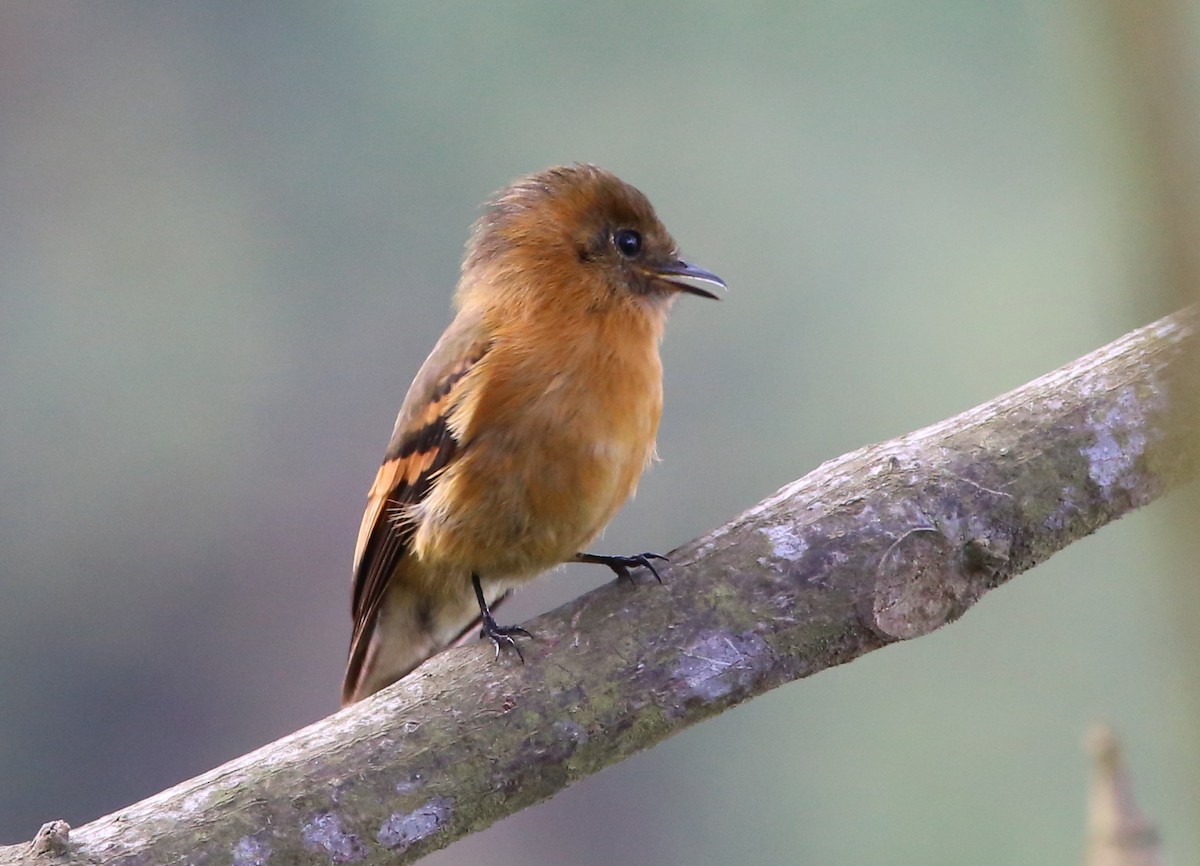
(405, 632)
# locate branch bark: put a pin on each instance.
(884, 544)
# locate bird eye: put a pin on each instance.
(628, 242)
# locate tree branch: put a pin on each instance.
(883, 544)
(1118, 833)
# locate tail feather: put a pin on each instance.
(403, 635)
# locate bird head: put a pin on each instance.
(580, 236)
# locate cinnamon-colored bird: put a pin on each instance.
(528, 425)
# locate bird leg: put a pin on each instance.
(497, 634)
(621, 564)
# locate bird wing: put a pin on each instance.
(422, 445)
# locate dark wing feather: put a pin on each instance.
(422, 445)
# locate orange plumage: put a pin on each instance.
(529, 424)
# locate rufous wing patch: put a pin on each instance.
(422, 446)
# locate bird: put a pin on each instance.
(527, 427)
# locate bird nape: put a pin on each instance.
(529, 424)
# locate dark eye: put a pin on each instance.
(628, 241)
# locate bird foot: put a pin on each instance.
(503, 635)
(621, 564)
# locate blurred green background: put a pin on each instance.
(228, 237)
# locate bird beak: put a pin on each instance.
(685, 277)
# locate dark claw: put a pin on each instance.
(497, 634)
(503, 634)
(621, 564)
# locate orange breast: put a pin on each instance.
(556, 439)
